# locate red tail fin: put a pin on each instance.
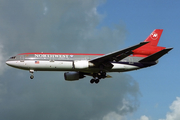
(154, 37)
(151, 47)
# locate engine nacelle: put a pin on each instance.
(72, 76)
(81, 64)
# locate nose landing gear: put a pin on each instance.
(32, 76)
(31, 72)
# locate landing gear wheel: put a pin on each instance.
(92, 81)
(97, 81)
(31, 76)
(101, 74)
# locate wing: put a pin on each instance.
(115, 56)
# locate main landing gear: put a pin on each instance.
(97, 77)
(31, 72)
(94, 80)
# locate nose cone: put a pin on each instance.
(7, 62)
(10, 63)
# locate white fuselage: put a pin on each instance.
(67, 62)
(64, 66)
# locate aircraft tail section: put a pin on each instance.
(154, 37)
(154, 57)
(151, 47)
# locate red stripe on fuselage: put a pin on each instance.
(61, 54)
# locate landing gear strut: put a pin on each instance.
(31, 72)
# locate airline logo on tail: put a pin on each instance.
(154, 35)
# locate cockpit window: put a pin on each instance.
(14, 57)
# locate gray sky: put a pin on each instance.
(59, 26)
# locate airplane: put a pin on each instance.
(79, 65)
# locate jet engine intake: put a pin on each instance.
(73, 76)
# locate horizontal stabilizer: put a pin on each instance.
(156, 56)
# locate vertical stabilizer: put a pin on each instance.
(154, 37)
(151, 47)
